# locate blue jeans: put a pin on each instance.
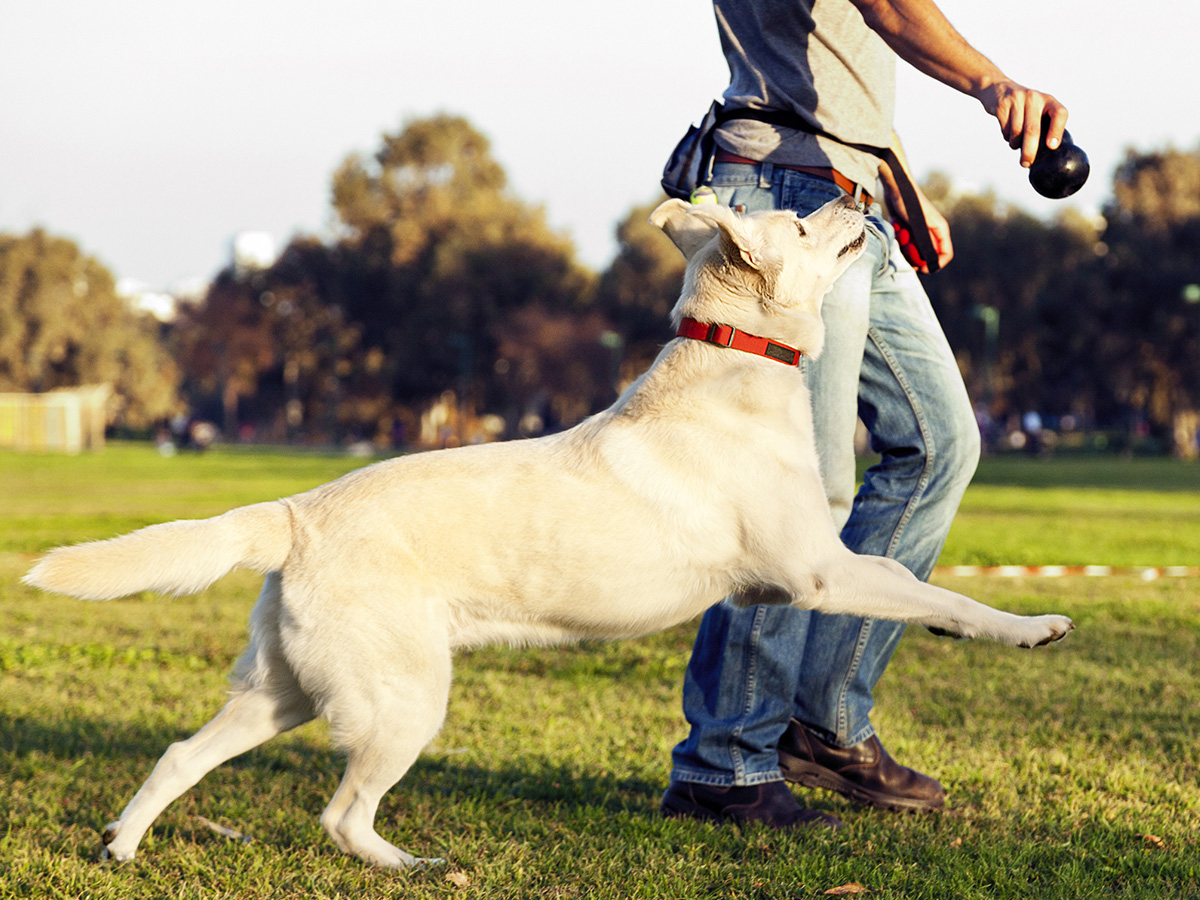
(887, 361)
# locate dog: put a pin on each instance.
(701, 482)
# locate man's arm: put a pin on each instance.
(922, 36)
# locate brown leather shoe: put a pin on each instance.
(865, 772)
(771, 804)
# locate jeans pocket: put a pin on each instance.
(738, 185)
(890, 258)
(806, 193)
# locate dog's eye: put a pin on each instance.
(800, 228)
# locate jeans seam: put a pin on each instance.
(735, 755)
(693, 776)
(926, 437)
(885, 245)
(855, 739)
(864, 631)
(905, 517)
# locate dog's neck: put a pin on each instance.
(742, 341)
(740, 382)
(788, 326)
(786, 323)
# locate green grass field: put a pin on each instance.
(1072, 771)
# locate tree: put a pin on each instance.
(225, 344)
(556, 367)
(439, 253)
(437, 280)
(1151, 270)
(640, 287)
(62, 324)
(272, 348)
(1099, 319)
(1004, 301)
(1160, 189)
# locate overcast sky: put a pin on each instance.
(151, 132)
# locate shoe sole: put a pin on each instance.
(811, 775)
(700, 814)
(696, 814)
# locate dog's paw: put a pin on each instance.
(1047, 630)
(116, 854)
(955, 630)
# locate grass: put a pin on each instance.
(1079, 511)
(1072, 771)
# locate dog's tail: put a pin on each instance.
(175, 558)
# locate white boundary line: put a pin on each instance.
(1146, 573)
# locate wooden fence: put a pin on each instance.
(68, 420)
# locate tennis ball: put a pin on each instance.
(703, 194)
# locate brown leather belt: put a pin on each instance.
(821, 172)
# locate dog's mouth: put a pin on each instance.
(854, 244)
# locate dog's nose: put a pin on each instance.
(847, 201)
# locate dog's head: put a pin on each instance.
(764, 272)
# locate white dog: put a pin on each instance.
(699, 483)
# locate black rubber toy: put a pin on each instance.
(1060, 172)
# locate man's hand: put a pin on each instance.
(939, 230)
(938, 227)
(1019, 111)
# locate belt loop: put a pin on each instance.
(858, 197)
(765, 173)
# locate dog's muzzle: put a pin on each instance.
(855, 244)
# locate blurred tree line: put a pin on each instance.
(1093, 322)
(62, 324)
(444, 309)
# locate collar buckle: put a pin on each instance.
(714, 335)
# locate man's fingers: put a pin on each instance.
(1004, 115)
(1058, 122)
(1020, 112)
(1014, 127)
(1031, 135)
(945, 250)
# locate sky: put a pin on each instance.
(152, 132)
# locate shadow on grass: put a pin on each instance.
(553, 825)
(105, 756)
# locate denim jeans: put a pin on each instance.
(887, 361)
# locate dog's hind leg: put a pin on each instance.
(383, 714)
(882, 588)
(268, 702)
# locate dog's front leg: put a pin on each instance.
(877, 587)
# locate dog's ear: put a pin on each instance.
(692, 227)
(688, 232)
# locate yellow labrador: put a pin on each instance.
(699, 483)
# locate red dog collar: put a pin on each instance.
(728, 336)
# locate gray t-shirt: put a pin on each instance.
(816, 58)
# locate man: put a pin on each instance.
(773, 692)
